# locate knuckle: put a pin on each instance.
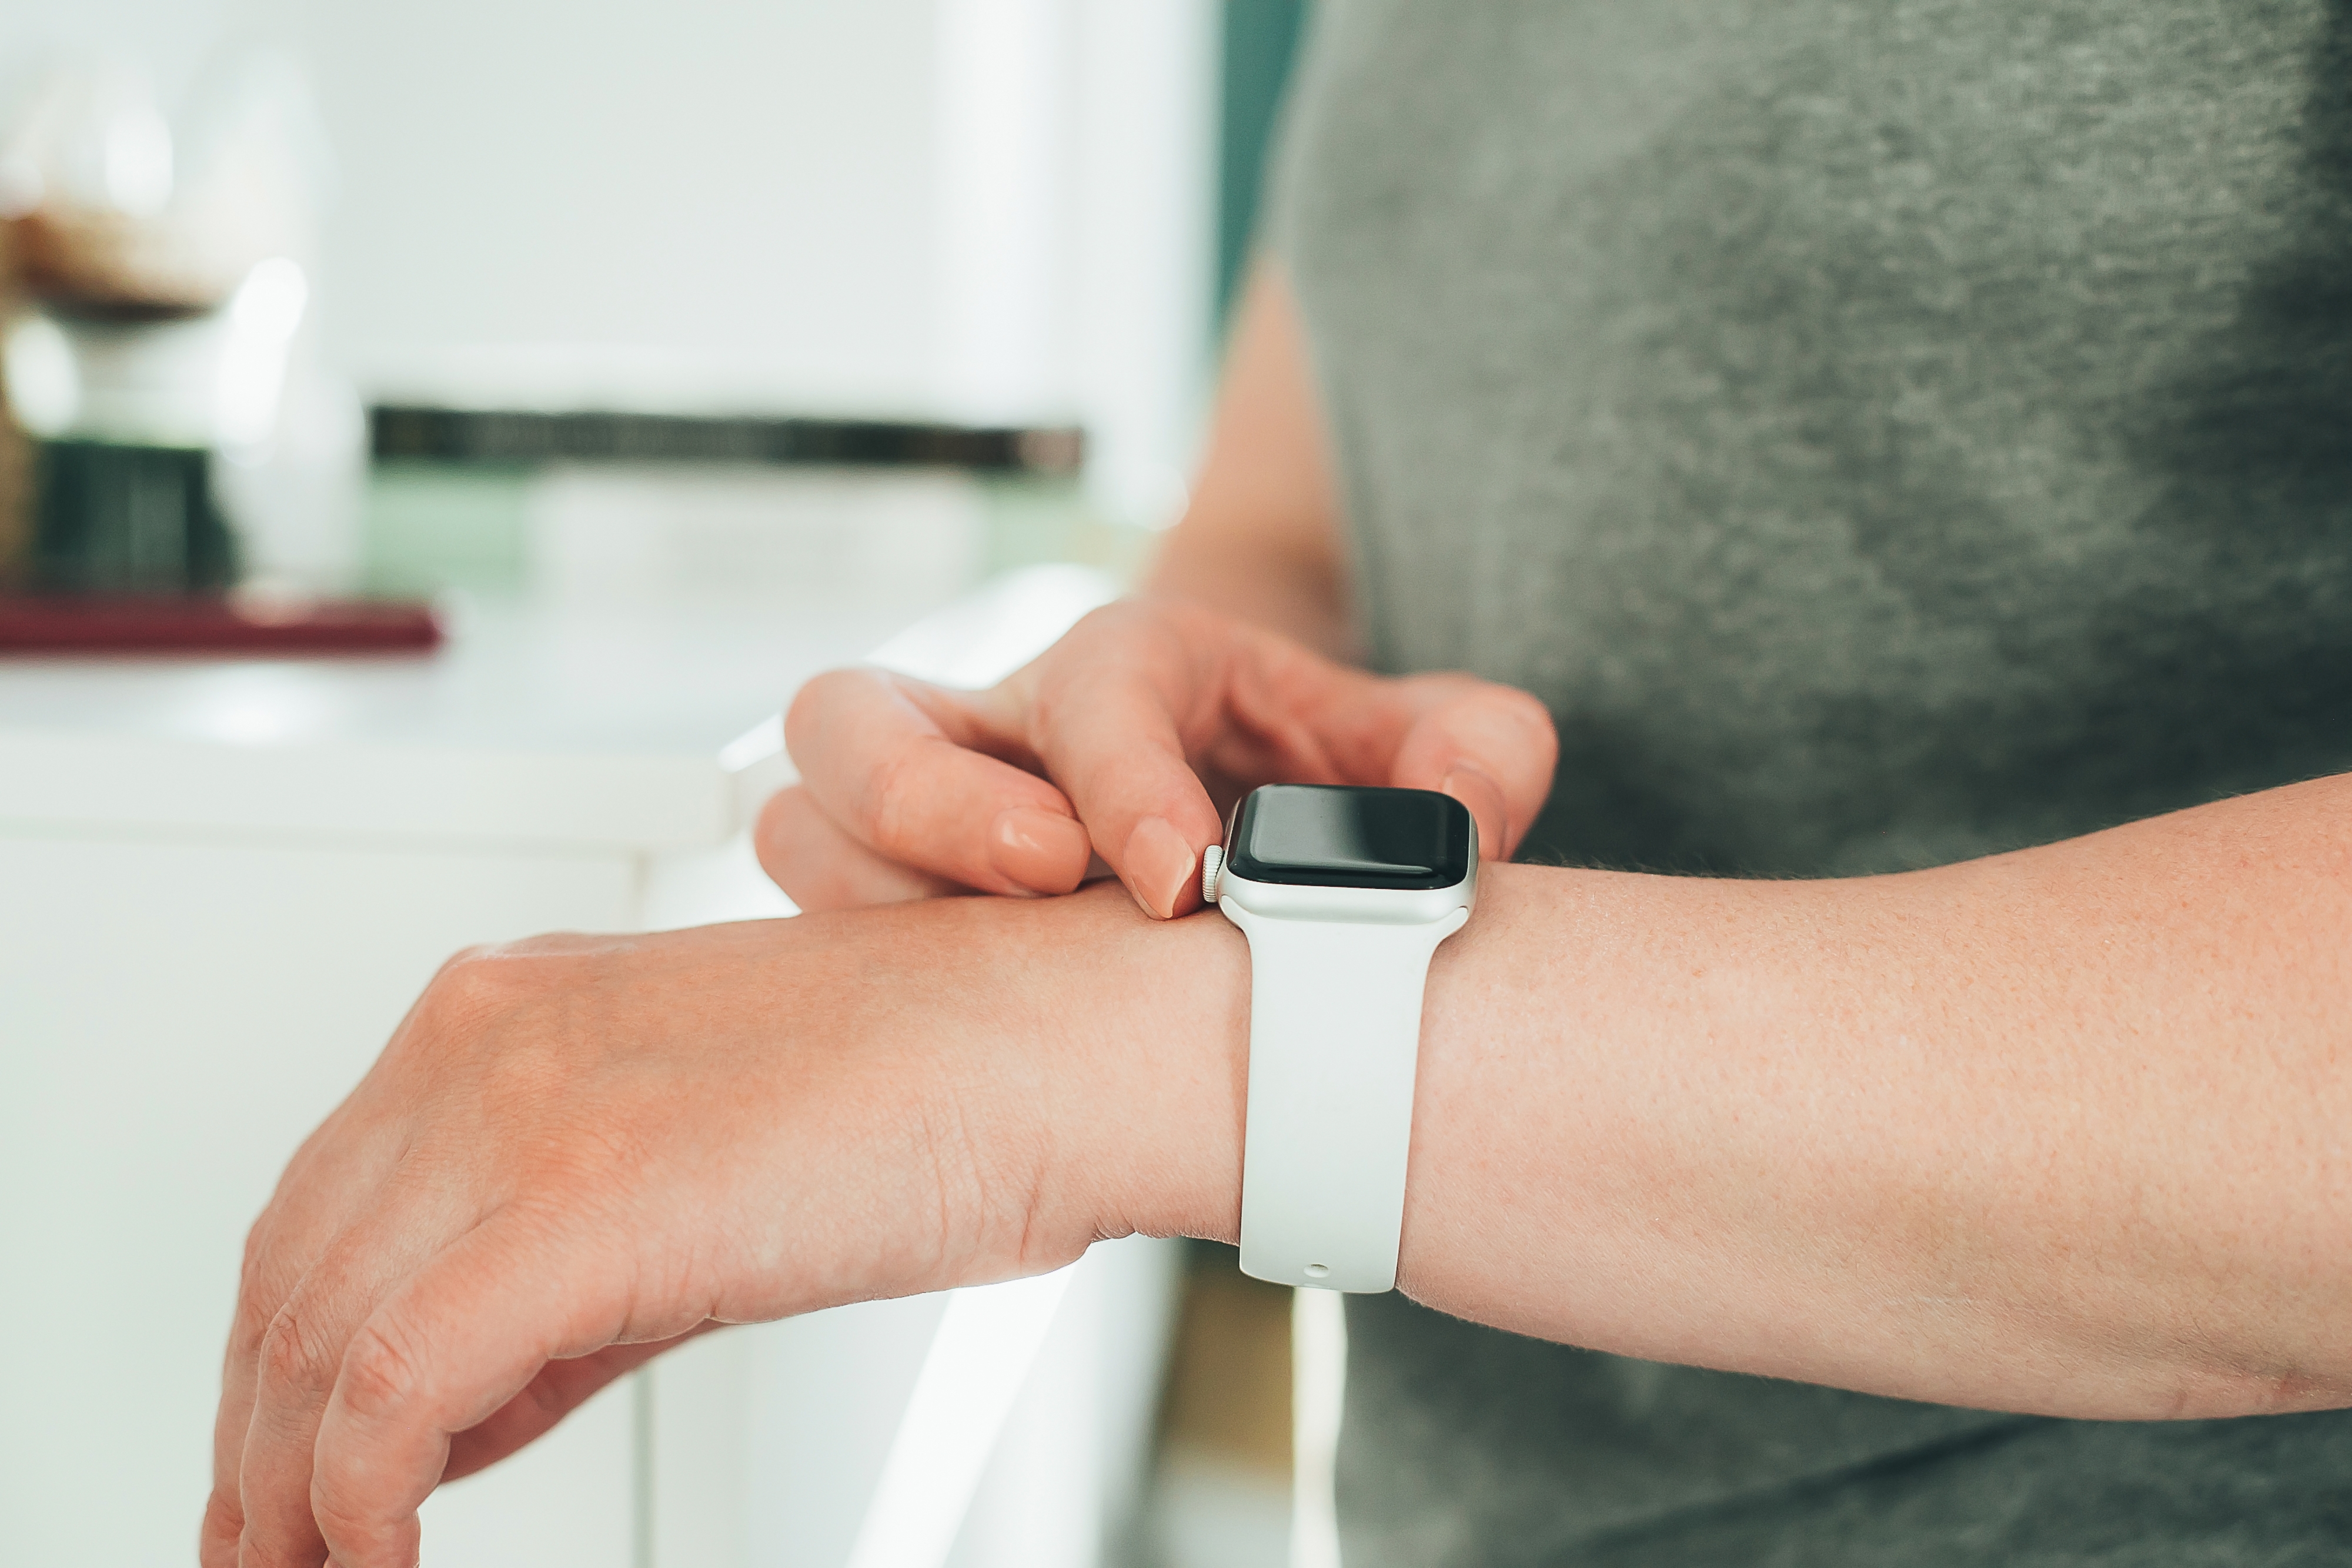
(458, 967)
(889, 805)
(256, 1299)
(223, 1524)
(466, 987)
(381, 1373)
(477, 983)
(355, 1531)
(491, 1012)
(294, 1352)
(819, 698)
(250, 1328)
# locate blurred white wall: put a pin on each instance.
(977, 208)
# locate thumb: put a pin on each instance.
(1490, 747)
(1112, 720)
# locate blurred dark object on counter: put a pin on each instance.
(15, 502)
(155, 282)
(213, 623)
(16, 455)
(116, 518)
(400, 432)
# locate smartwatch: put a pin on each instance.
(1344, 894)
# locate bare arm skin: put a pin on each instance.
(2105, 1060)
(2059, 1131)
(1261, 539)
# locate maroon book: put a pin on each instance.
(162, 624)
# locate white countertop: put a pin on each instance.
(593, 724)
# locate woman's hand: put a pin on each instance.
(1127, 739)
(577, 1150)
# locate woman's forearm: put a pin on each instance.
(2059, 1131)
(1261, 538)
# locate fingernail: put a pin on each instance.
(1037, 849)
(1484, 796)
(1159, 863)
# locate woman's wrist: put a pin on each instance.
(1146, 1051)
(1146, 1048)
(1143, 1044)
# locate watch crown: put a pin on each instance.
(1213, 860)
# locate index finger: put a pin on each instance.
(1134, 693)
(443, 1353)
(1144, 694)
(312, 1206)
(926, 778)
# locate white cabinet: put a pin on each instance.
(220, 885)
(175, 1015)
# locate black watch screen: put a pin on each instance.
(1345, 835)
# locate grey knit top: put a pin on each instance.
(1883, 432)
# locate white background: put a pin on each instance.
(976, 208)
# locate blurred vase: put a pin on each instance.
(184, 436)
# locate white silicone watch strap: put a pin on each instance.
(1335, 1037)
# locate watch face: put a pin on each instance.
(1325, 835)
